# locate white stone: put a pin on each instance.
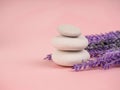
(69, 30)
(70, 44)
(69, 58)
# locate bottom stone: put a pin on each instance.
(70, 58)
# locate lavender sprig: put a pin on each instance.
(108, 37)
(48, 57)
(98, 44)
(111, 58)
(99, 51)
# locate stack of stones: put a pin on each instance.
(70, 45)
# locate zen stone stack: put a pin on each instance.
(70, 45)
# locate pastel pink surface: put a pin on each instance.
(26, 30)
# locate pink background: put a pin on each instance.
(26, 30)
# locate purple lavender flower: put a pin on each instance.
(98, 44)
(48, 57)
(111, 58)
(110, 37)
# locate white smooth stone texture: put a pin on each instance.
(69, 58)
(70, 44)
(69, 30)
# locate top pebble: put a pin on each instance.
(69, 30)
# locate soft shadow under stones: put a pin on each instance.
(70, 36)
(71, 50)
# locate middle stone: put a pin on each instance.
(70, 43)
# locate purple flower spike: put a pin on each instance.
(48, 57)
(106, 61)
(99, 44)
(77, 67)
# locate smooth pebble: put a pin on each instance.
(70, 44)
(69, 58)
(69, 30)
